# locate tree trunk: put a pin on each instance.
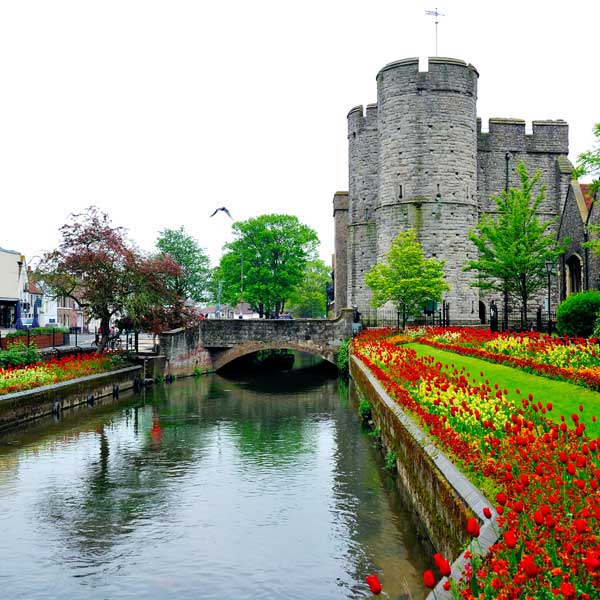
(404, 317)
(105, 332)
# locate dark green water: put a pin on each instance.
(208, 488)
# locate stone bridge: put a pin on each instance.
(216, 342)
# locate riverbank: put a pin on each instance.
(19, 407)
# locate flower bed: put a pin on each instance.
(58, 369)
(545, 477)
(570, 359)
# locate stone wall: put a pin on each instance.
(340, 270)
(441, 496)
(19, 407)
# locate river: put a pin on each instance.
(246, 486)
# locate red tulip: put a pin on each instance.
(374, 584)
(429, 579)
(501, 498)
(487, 513)
(510, 539)
(473, 527)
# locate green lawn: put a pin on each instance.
(565, 397)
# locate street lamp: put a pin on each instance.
(586, 237)
(549, 265)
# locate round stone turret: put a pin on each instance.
(427, 127)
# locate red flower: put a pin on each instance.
(429, 579)
(473, 527)
(528, 565)
(501, 498)
(374, 584)
(592, 563)
(510, 539)
(487, 513)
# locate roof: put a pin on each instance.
(9, 251)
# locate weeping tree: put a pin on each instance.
(514, 244)
(406, 278)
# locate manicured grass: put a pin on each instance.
(565, 397)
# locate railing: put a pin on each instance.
(535, 321)
(50, 338)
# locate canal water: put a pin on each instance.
(254, 486)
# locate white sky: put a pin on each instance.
(159, 112)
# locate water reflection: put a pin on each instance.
(207, 488)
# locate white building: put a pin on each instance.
(13, 285)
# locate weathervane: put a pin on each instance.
(436, 14)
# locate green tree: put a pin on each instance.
(193, 279)
(406, 278)
(309, 297)
(588, 163)
(265, 261)
(514, 245)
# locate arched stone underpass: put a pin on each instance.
(216, 342)
(224, 357)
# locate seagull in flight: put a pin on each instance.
(224, 210)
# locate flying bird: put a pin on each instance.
(224, 210)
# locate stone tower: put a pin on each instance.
(427, 149)
(419, 159)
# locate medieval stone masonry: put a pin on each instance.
(418, 158)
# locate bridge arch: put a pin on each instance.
(216, 342)
(227, 355)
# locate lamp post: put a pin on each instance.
(586, 274)
(549, 272)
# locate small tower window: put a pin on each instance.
(400, 192)
(366, 214)
(438, 195)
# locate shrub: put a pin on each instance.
(19, 354)
(37, 331)
(577, 314)
(364, 410)
(343, 357)
(390, 461)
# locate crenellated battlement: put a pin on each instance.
(442, 75)
(510, 135)
(359, 120)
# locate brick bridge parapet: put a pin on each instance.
(216, 342)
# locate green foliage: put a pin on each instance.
(588, 163)
(406, 278)
(576, 316)
(343, 357)
(376, 433)
(365, 410)
(193, 279)
(19, 354)
(265, 262)
(513, 245)
(197, 372)
(390, 461)
(309, 298)
(47, 330)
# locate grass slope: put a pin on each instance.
(565, 397)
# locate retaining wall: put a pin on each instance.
(19, 407)
(442, 497)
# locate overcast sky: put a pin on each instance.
(159, 112)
